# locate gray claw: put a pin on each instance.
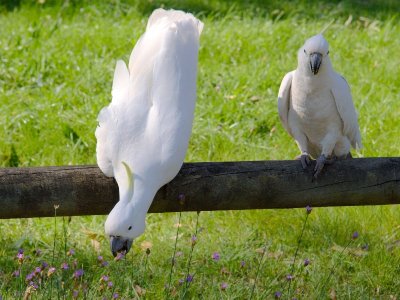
(304, 159)
(319, 165)
(346, 156)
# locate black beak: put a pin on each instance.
(120, 244)
(315, 62)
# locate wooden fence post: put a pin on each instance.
(84, 190)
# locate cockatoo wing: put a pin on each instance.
(344, 103)
(103, 150)
(174, 86)
(120, 87)
(106, 129)
(148, 123)
(284, 96)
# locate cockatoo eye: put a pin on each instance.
(130, 227)
(327, 53)
(305, 52)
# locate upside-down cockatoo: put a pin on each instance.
(143, 135)
(316, 107)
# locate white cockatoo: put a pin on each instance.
(143, 135)
(316, 107)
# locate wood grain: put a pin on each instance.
(84, 190)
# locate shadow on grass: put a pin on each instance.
(10, 4)
(295, 8)
(313, 9)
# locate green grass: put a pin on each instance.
(56, 68)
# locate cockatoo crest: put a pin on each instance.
(316, 43)
(129, 175)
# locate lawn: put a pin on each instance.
(56, 67)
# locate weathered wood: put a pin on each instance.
(84, 190)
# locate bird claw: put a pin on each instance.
(304, 159)
(321, 160)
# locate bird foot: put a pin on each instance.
(346, 156)
(320, 163)
(305, 159)
(330, 160)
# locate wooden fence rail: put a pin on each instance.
(84, 190)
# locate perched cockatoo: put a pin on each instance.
(316, 107)
(143, 135)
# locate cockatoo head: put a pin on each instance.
(125, 221)
(123, 225)
(314, 54)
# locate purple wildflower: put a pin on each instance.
(104, 278)
(51, 271)
(104, 264)
(37, 252)
(29, 277)
(115, 296)
(75, 294)
(71, 252)
(306, 262)
(242, 264)
(20, 257)
(78, 273)
(64, 266)
(119, 256)
(20, 251)
(100, 258)
(110, 284)
(189, 278)
(277, 295)
(34, 285)
(16, 273)
(44, 265)
(181, 281)
(216, 256)
(194, 239)
(38, 270)
(289, 277)
(355, 235)
(308, 209)
(181, 198)
(224, 285)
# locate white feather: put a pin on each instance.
(284, 100)
(318, 110)
(148, 123)
(344, 103)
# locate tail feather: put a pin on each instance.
(172, 16)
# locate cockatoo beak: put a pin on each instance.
(315, 62)
(120, 244)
